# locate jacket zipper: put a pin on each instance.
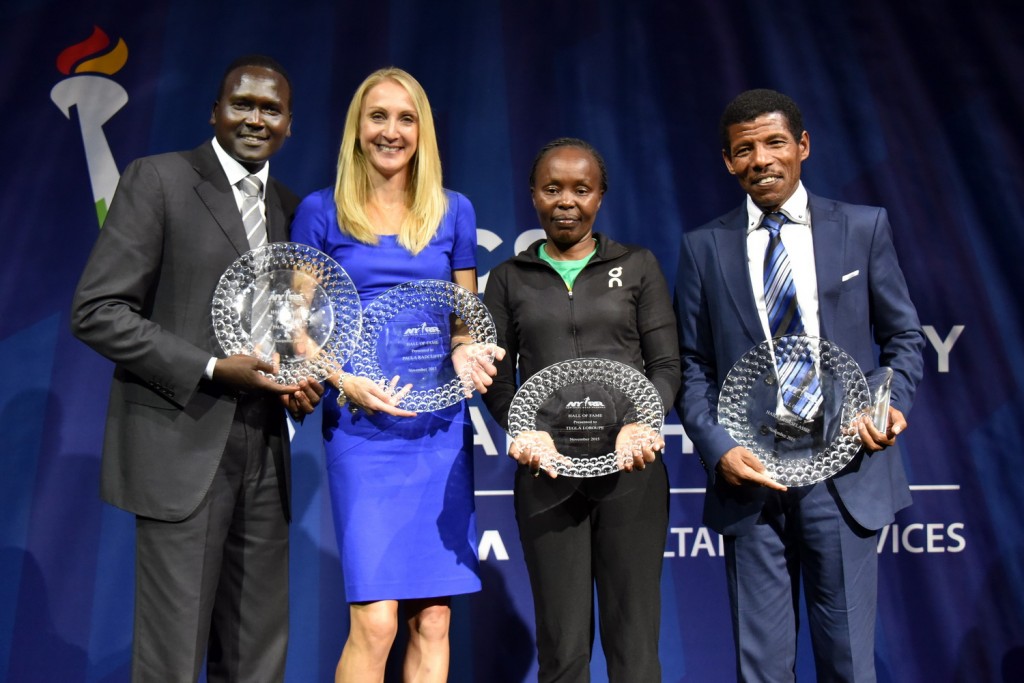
(572, 324)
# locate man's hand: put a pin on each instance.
(874, 440)
(243, 373)
(305, 400)
(739, 466)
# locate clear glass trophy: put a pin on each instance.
(583, 405)
(290, 304)
(762, 398)
(407, 333)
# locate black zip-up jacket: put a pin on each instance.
(619, 308)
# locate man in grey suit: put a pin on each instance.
(848, 289)
(196, 445)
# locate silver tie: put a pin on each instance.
(256, 232)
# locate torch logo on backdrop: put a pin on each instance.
(96, 99)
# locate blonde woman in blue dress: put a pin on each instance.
(401, 483)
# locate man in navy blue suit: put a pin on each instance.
(849, 290)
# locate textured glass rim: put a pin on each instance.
(826, 462)
(522, 413)
(300, 258)
(458, 300)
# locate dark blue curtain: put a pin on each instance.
(913, 105)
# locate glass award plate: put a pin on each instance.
(291, 302)
(797, 451)
(583, 404)
(407, 333)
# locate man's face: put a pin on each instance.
(765, 158)
(252, 117)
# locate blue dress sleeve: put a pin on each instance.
(312, 219)
(464, 247)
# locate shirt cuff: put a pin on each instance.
(209, 367)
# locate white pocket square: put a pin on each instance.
(850, 276)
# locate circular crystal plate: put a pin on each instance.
(582, 404)
(797, 451)
(407, 333)
(308, 304)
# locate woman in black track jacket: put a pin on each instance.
(578, 294)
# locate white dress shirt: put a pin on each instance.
(235, 173)
(797, 238)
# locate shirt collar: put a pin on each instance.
(235, 171)
(796, 209)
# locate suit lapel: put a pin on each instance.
(277, 231)
(219, 198)
(731, 246)
(830, 236)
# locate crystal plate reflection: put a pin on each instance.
(407, 333)
(582, 404)
(795, 451)
(312, 312)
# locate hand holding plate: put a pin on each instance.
(474, 364)
(247, 373)
(537, 450)
(875, 440)
(739, 466)
(373, 397)
(304, 401)
(636, 445)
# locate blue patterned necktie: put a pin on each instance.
(800, 382)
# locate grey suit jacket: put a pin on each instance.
(143, 301)
(863, 306)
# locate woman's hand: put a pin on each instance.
(636, 445)
(372, 397)
(535, 449)
(474, 365)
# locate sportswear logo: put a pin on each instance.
(96, 99)
(613, 277)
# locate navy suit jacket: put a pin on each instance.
(863, 307)
(143, 301)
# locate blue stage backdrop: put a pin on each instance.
(914, 105)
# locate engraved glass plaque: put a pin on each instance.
(879, 387)
(756, 411)
(582, 404)
(407, 333)
(291, 303)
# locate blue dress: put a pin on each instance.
(401, 488)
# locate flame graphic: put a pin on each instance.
(109, 63)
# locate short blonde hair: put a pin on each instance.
(425, 197)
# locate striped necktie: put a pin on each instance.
(256, 232)
(800, 382)
(252, 216)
